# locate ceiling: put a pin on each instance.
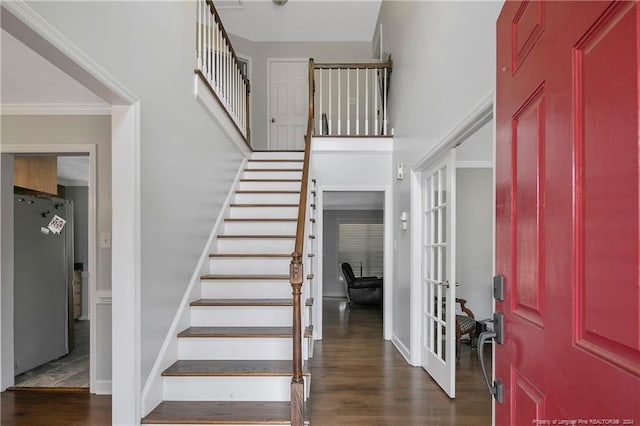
(73, 171)
(300, 20)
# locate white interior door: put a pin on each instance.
(438, 273)
(288, 104)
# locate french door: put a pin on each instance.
(438, 290)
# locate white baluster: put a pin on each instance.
(217, 56)
(348, 103)
(208, 48)
(366, 101)
(384, 91)
(319, 113)
(330, 89)
(339, 116)
(375, 99)
(357, 101)
(199, 37)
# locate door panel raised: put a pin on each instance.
(567, 211)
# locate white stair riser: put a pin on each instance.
(274, 165)
(241, 316)
(250, 174)
(237, 388)
(260, 228)
(258, 245)
(238, 289)
(225, 266)
(238, 348)
(263, 198)
(278, 155)
(267, 185)
(262, 212)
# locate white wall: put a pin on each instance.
(474, 239)
(354, 165)
(260, 52)
(443, 65)
(187, 164)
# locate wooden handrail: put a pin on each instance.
(364, 65)
(296, 272)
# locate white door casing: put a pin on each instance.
(288, 101)
(438, 290)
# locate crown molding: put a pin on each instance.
(55, 109)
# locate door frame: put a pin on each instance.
(474, 120)
(387, 306)
(24, 23)
(268, 117)
(89, 150)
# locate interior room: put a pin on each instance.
(353, 234)
(51, 308)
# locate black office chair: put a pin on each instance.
(362, 290)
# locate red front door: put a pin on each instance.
(567, 192)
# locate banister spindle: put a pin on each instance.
(357, 101)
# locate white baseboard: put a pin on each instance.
(404, 351)
(152, 391)
(102, 387)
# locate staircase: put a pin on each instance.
(234, 361)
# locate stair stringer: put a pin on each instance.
(152, 392)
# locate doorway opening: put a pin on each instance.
(452, 290)
(353, 249)
(51, 279)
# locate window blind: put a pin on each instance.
(362, 243)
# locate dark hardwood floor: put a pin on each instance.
(55, 408)
(357, 378)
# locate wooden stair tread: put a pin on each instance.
(242, 302)
(244, 277)
(251, 332)
(272, 170)
(276, 191)
(257, 332)
(260, 219)
(269, 160)
(261, 205)
(270, 180)
(220, 412)
(249, 255)
(257, 236)
(231, 368)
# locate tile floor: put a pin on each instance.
(70, 371)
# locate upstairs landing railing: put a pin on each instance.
(219, 66)
(352, 99)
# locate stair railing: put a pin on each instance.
(218, 65)
(352, 99)
(296, 272)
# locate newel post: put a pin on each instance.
(297, 382)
